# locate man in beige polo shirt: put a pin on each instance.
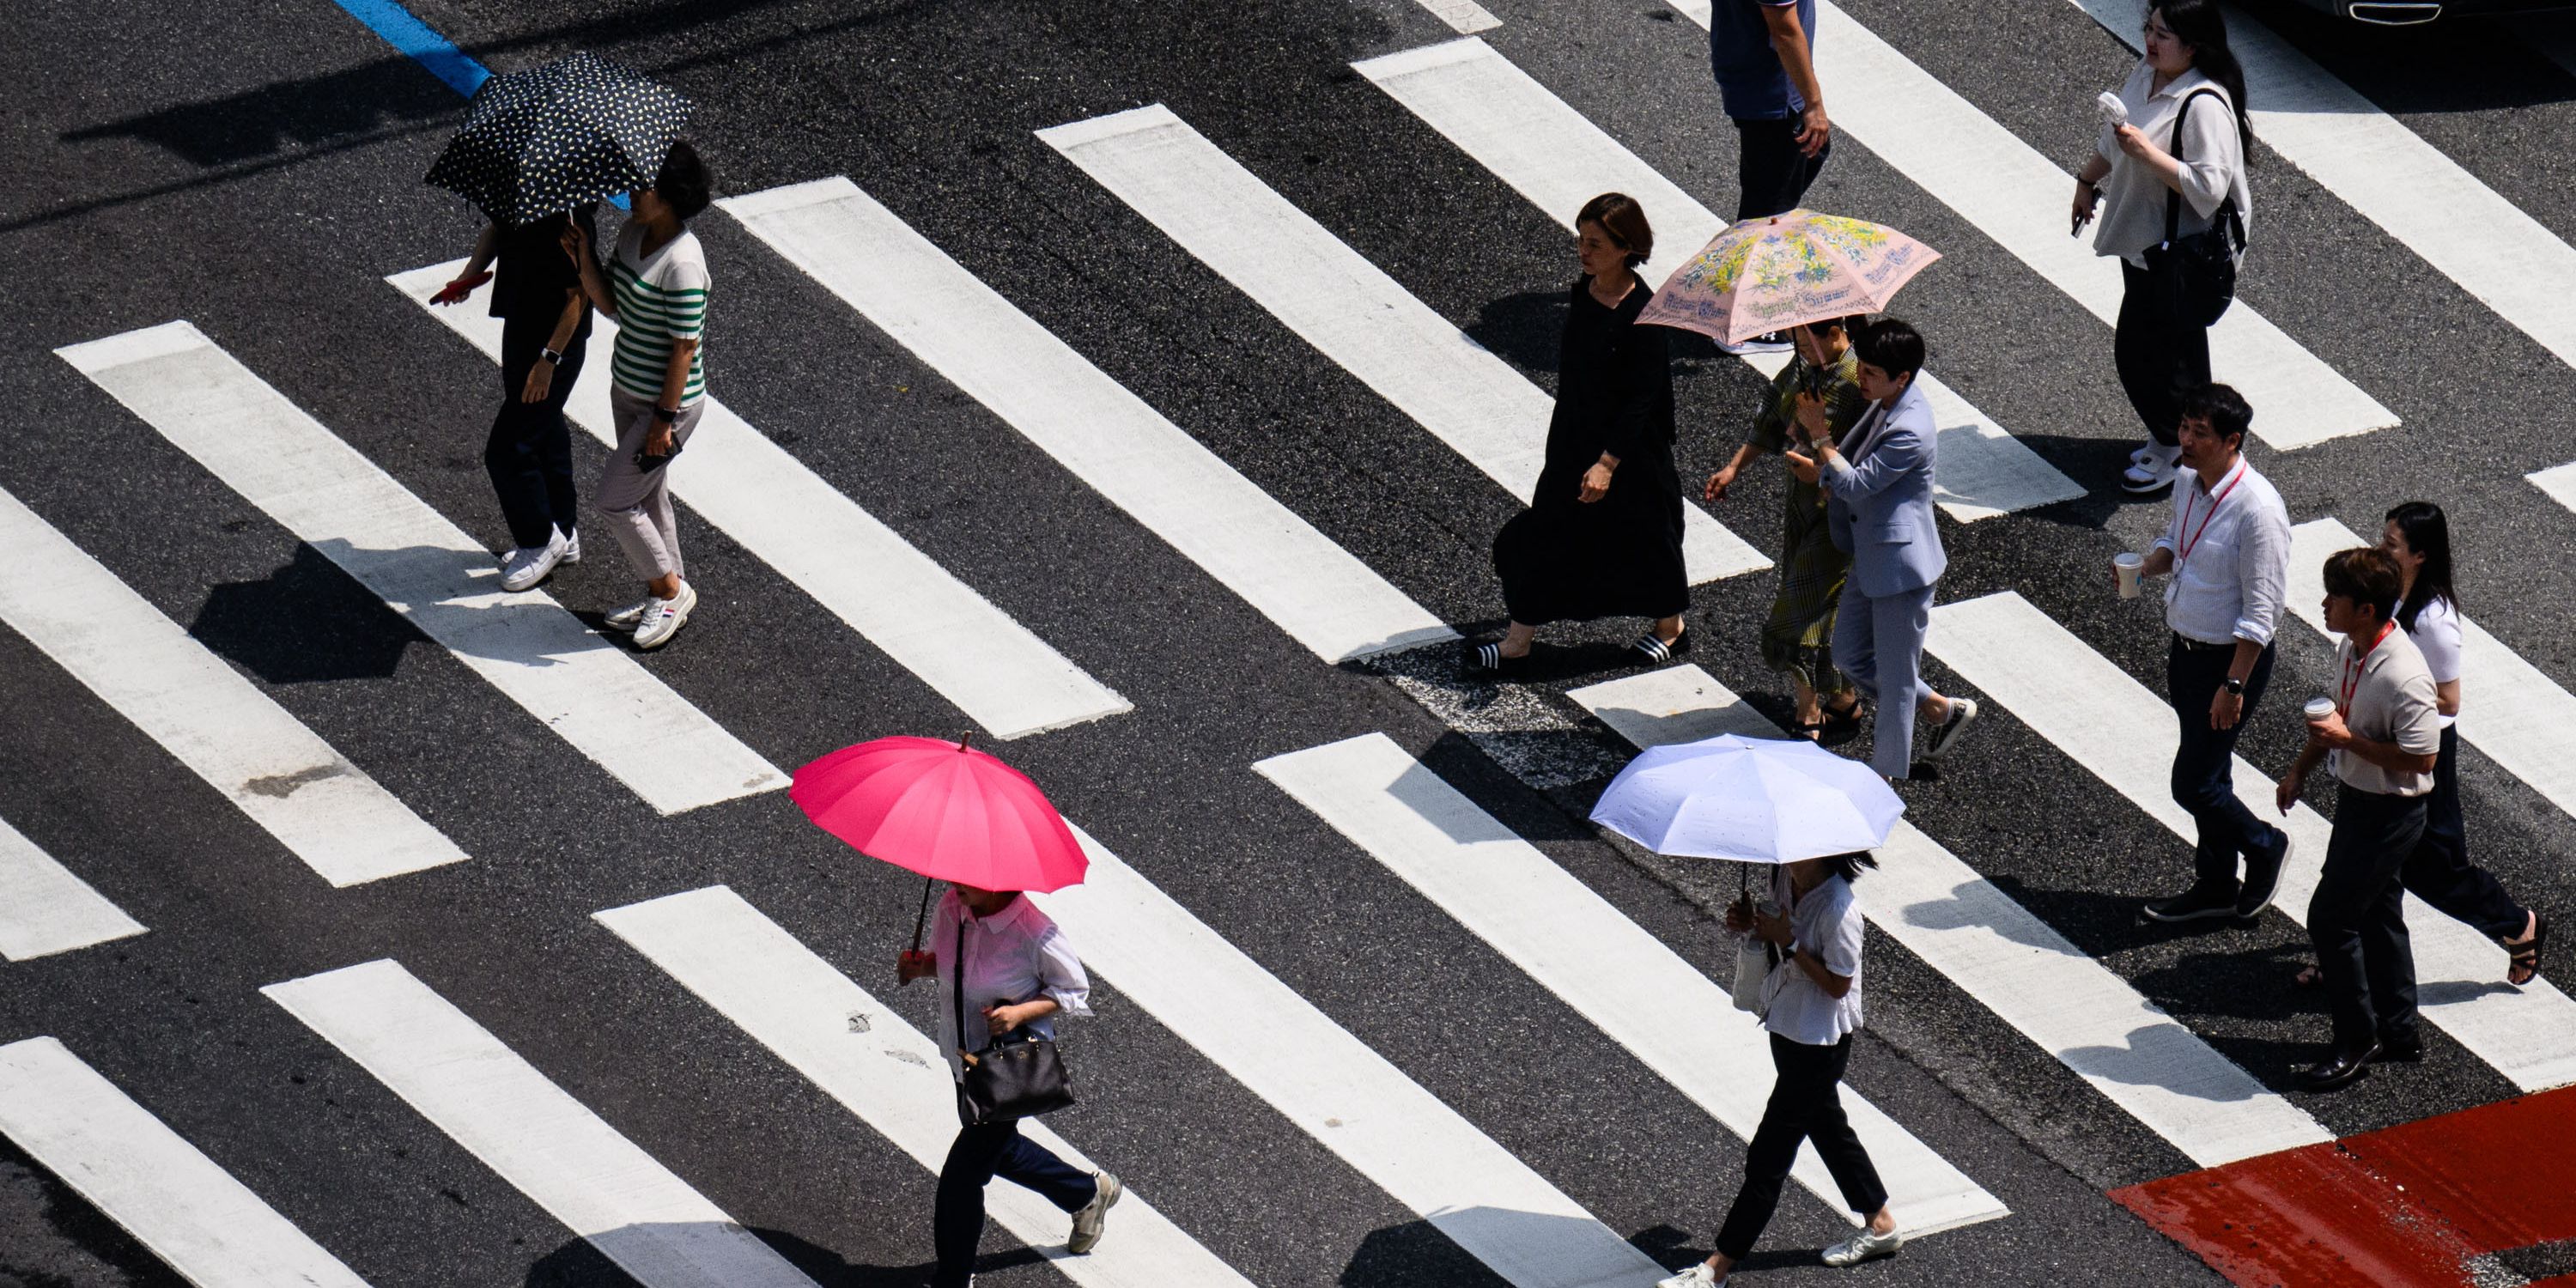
(2381, 741)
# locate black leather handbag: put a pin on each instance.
(2197, 274)
(1017, 1074)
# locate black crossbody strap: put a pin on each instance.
(2173, 196)
(957, 976)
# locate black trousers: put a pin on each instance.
(980, 1154)
(1772, 175)
(2439, 871)
(1806, 1104)
(2160, 355)
(529, 453)
(2204, 768)
(2357, 918)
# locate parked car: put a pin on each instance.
(2407, 13)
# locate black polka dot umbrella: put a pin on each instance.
(557, 137)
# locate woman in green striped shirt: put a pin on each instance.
(656, 291)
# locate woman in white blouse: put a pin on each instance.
(1811, 1005)
(1019, 973)
(2161, 355)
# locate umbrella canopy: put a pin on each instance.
(558, 137)
(934, 807)
(1754, 800)
(1767, 275)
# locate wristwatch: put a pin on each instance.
(2234, 686)
(553, 359)
(666, 415)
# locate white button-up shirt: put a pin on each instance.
(1014, 956)
(1827, 924)
(2213, 166)
(2231, 548)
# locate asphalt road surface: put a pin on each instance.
(254, 169)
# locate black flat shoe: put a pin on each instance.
(2406, 1050)
(2339, 1069)
(1488, 659)
(1656, 650)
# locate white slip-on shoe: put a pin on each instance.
(1087, 1222)
(631, 616)
(1963, 712)
(530, 565)
(1864, 1246)
(1697, 1276)
(665, 618)
(572, 545)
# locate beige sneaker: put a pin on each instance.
(1087, 1222)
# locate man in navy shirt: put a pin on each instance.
(1766, 75)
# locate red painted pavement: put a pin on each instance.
(2407, 1207)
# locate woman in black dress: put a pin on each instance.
(1603, 534)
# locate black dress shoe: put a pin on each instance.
(2262, 878)
(2193, 904)
(2340, 1069)
(2408, 1049)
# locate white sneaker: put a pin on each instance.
(529, 565)
(572, 546)
(631, 616)
(1698, 1276)
(663, 618)
(1087, 1222)
(1864, 1246)
(1963, 712)
(2152, 470)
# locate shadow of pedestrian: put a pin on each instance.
(304, 623)
(581, 1263)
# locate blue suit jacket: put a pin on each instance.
(1880, 510)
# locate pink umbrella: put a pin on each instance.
(943, 810)
(1765, 275)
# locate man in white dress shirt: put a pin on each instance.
(2227, 549)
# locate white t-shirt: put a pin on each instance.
(2437, 637)
(1827, 924)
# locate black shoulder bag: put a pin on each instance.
(2197, 273)
(1017, 1074)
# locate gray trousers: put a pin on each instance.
(636, 502)
(1878, 642)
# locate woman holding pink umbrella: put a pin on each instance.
(1005, 970)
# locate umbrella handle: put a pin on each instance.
(923, 917)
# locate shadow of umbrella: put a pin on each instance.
(307, 622)
(581, 1263)
(1544, 1247)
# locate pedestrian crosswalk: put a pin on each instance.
(2124, 735)
(173, 1199)
(535, 1135)
(591, 693)
(994, 669)
(1346, 307)
(1549, 153)
(2009, 960)
(325, 810)
(1318, 593)
(1609, 969)
(45, 908)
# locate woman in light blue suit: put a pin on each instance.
(1879, 503)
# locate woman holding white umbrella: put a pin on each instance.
(1814, 816)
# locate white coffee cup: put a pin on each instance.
(2127, 565)
(2318, 709)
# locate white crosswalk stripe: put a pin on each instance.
(2416, 193)
(2006, 959)
(1346, 307)
(1549, 153)
(530, 1131)
(2558, 481)
(2125, 735)
(1313, 589)
(1612, 971)
(589, 691)
(326, 811)
(173, 1199)
(885, 1071)
(1349, 1098)
(2509, 709)
(1463, 16)
(45, 908)
(2013, 193)
(1002, 676)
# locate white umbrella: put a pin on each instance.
(1753, 800)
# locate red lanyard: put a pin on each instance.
(2191, 535)
(2352, 669)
